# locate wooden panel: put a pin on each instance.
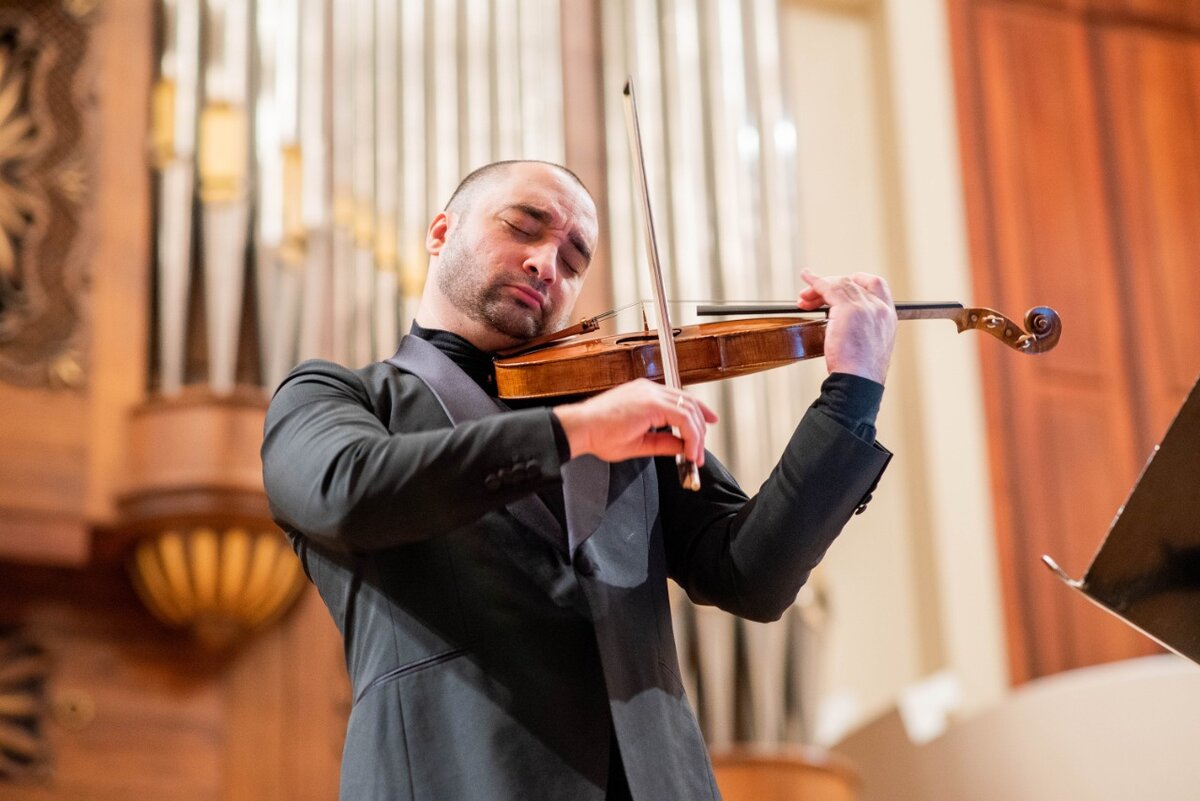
(287, 701)
(1067, 630)
(138, 711)
(1062, 447)
(43, 441)
(62, 450)
(1056, 5)
(44, 538)
(1177, 14)
(1153, 111)
(147, 723)
(1169, 13)
(124, 44)
(317, 700)
(1080, 127)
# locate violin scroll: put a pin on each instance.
(1043, 327)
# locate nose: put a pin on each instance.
(542, 262)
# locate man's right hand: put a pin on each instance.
(622, 423)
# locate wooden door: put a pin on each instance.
(1079, 128)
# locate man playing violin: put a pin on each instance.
(498, 570)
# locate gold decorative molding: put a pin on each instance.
(223, 153)
(81, 10)
(18, 144)
(44, 184)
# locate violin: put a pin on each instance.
(566, 363)
(550, 367)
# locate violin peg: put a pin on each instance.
(1043, 327)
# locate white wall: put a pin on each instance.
(1125, 730)
(912, 583)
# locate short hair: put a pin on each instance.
(458, 200)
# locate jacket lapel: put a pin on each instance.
(463, 400)
(460, 397)
(585, 495)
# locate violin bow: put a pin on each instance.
(1042, 324)
(689, 475)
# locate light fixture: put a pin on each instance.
(206, 555)
(220, 583)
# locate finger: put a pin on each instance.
(810, 299)
(834, 289)
(824, 284)
(874, 285)
(811, 278)
(686, 420)
(816, 284)
(810, 296)
(658, 443)
(701, 415)
(692, 405)
(691, 431)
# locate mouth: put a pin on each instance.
(529, 296)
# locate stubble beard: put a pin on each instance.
(459, 279)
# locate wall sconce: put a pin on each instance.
(207, 556)
(222, 584)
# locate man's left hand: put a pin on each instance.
(862, 321)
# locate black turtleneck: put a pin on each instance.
(473, 361)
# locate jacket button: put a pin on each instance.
(583, 565)
(862, 505)
(492, 482)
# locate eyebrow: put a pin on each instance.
(544, 217)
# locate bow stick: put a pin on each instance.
(689, 475)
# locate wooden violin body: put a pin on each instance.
(706, 352)
(714, 351)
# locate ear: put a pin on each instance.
(435, 237)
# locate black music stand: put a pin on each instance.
(1147, 571)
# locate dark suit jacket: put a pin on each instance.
(491, 654)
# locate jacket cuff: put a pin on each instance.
(852, 401)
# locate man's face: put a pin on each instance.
(514, 259)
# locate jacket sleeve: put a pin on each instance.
(750, 556)
(333, 471)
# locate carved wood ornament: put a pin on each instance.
(24, 668)
(44, 179)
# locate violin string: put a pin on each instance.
(643, 302)
(721, 302)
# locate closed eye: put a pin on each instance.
(518, 229)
